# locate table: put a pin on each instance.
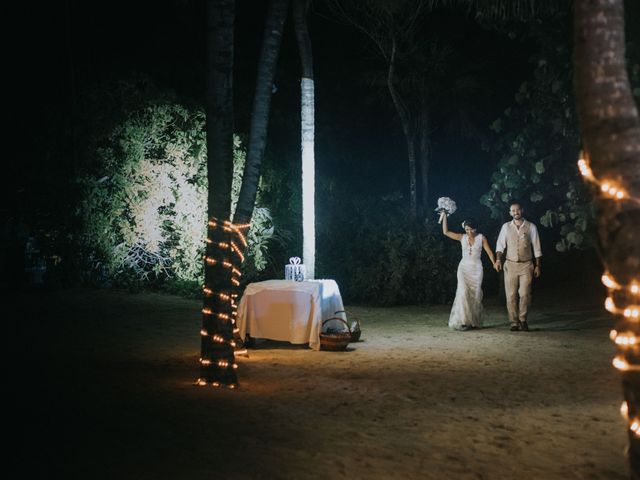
(288, 311)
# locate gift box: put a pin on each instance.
(295, 270)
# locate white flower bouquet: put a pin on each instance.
(446, 206)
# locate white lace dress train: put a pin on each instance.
(467, 307)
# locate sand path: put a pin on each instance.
(104, 390)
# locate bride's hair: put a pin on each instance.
(471, 223)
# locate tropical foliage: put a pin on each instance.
(379, 255)
(537, 146)
(143, 207)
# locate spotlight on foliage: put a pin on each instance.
(144, 205)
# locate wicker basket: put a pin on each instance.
(354, 329)
(337, 341)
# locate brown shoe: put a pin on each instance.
(524, 326)
(514, 328)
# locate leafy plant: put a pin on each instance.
(379, 256)
(144, 205)
(537, 147)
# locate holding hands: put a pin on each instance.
(537, 271)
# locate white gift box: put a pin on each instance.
(295, 270)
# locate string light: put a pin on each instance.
(236, 250)
(610, 188)
(624, 410)
(585, 170)
(225, 296)
(237, 226)
(625, 340)
(631, 311)
(614, 192)
(609, 282)
(227, 364)
(609, 305)
(621, 364)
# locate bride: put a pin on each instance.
(466, 312)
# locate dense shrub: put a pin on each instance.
(537, 144)
(143, 206)
(380, 257)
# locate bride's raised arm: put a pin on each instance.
(445, 229)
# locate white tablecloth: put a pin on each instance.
(288, 311)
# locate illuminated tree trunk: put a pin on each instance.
(217, 357)
(307, 128)
(271, 41)
(409, 132)
(611, 139)
(425, 158)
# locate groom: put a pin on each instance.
(520, 238)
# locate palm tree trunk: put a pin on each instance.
(406, 129)
(217, 357)
(611, 138)
(300, 8)
(271, 41)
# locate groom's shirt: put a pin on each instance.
(519, 241)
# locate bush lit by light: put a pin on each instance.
(144, 208)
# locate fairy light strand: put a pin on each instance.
(626, 341)
(608, 187)
(227, 297)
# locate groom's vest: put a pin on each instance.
(518, 243)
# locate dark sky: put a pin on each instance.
(77, 44)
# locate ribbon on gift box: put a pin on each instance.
(294, 261)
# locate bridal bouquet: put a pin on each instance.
(446, 206)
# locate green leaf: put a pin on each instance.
(539, 167)
(496, 126)
(549, 219)
(536, 197)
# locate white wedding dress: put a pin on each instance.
(466, 311)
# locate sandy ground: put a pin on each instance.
(104, 389)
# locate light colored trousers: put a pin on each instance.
(518, 277)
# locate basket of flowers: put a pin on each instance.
(335, 340)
